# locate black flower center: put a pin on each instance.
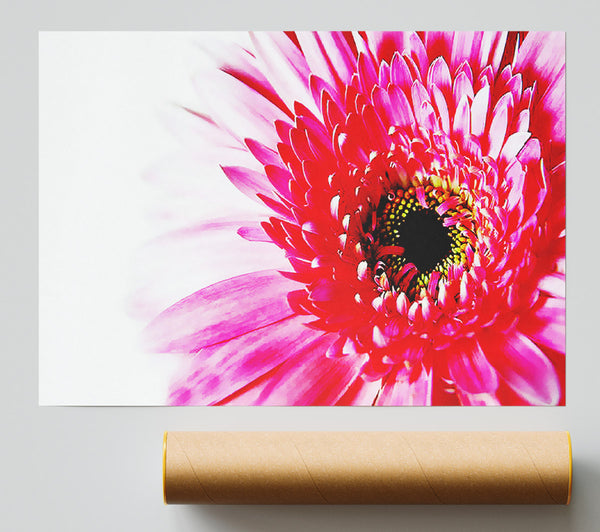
(419, 235)
(425, 240)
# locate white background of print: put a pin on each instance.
(105, 102)
(98, 468)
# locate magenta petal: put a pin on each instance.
(401, 108)
(531, 152)
(216, 373)
(384, 44)
(442, 108)
(479, 111)
(513, 145)
(461, 125)
(439, 75)
(550, 119)
(328, 56)
(221, 311)
(285, 66)
(237, 107)
(515, 175)
(418, 53)
(470, 369)
(263, 154)
(524, 367)
(546, 327)
(308, 377)
(161, 281)
(497, 132)
(254, 233)
(400, 73)
(477, 399)
(462, 86)
(249, 181)
(541, 57)
(400, 390)
(361, 392)
(554, 285)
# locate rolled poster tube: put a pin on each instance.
(367, 467)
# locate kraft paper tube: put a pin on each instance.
(367, 467)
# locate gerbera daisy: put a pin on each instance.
(414, 184)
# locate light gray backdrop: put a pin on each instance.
(97, 469)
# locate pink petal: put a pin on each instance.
(418, 53)
(462, 85)
(439, 43)
(439, 75)
(186, 177)
(240, 64)
(285, 66)
(398, 389)
(308, 377)
(220, 312)
(280, 179)
(477, 399)
(515, 175)
(465, 46)
(175, 265)
(249, 181)
(262, 153)
(384, 44)
(442, 108)
(328, 56)
(546, 327)
(550, 119)
(401, 108)
(198, 131)
(498, 43)
(513, 145)
(461, 125)
(531, 152)
(497, 132)
(541, 58)
(419, 95)
(400, 73)
(524, 367)
(360, 393)
(554, 285)
(367, 73)
(254, 233)
(479, 110)
(383, 106)
(470, 369)
(238, 108)
(217, 372)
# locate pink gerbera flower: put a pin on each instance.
(415, 183)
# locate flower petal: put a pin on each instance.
(221, 311)
(546, 325)
(470, 369)
(285, 66)
(524, 367)
(400, 389)
(308, 377)
(217, 372)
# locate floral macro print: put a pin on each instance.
(407, 240)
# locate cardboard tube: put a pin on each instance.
(367, 467)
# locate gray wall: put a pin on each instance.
(96, 469)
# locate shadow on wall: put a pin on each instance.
(485, 518)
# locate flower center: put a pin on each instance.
(419, 235)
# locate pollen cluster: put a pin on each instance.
(421, 233)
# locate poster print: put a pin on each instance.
(396, 203)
